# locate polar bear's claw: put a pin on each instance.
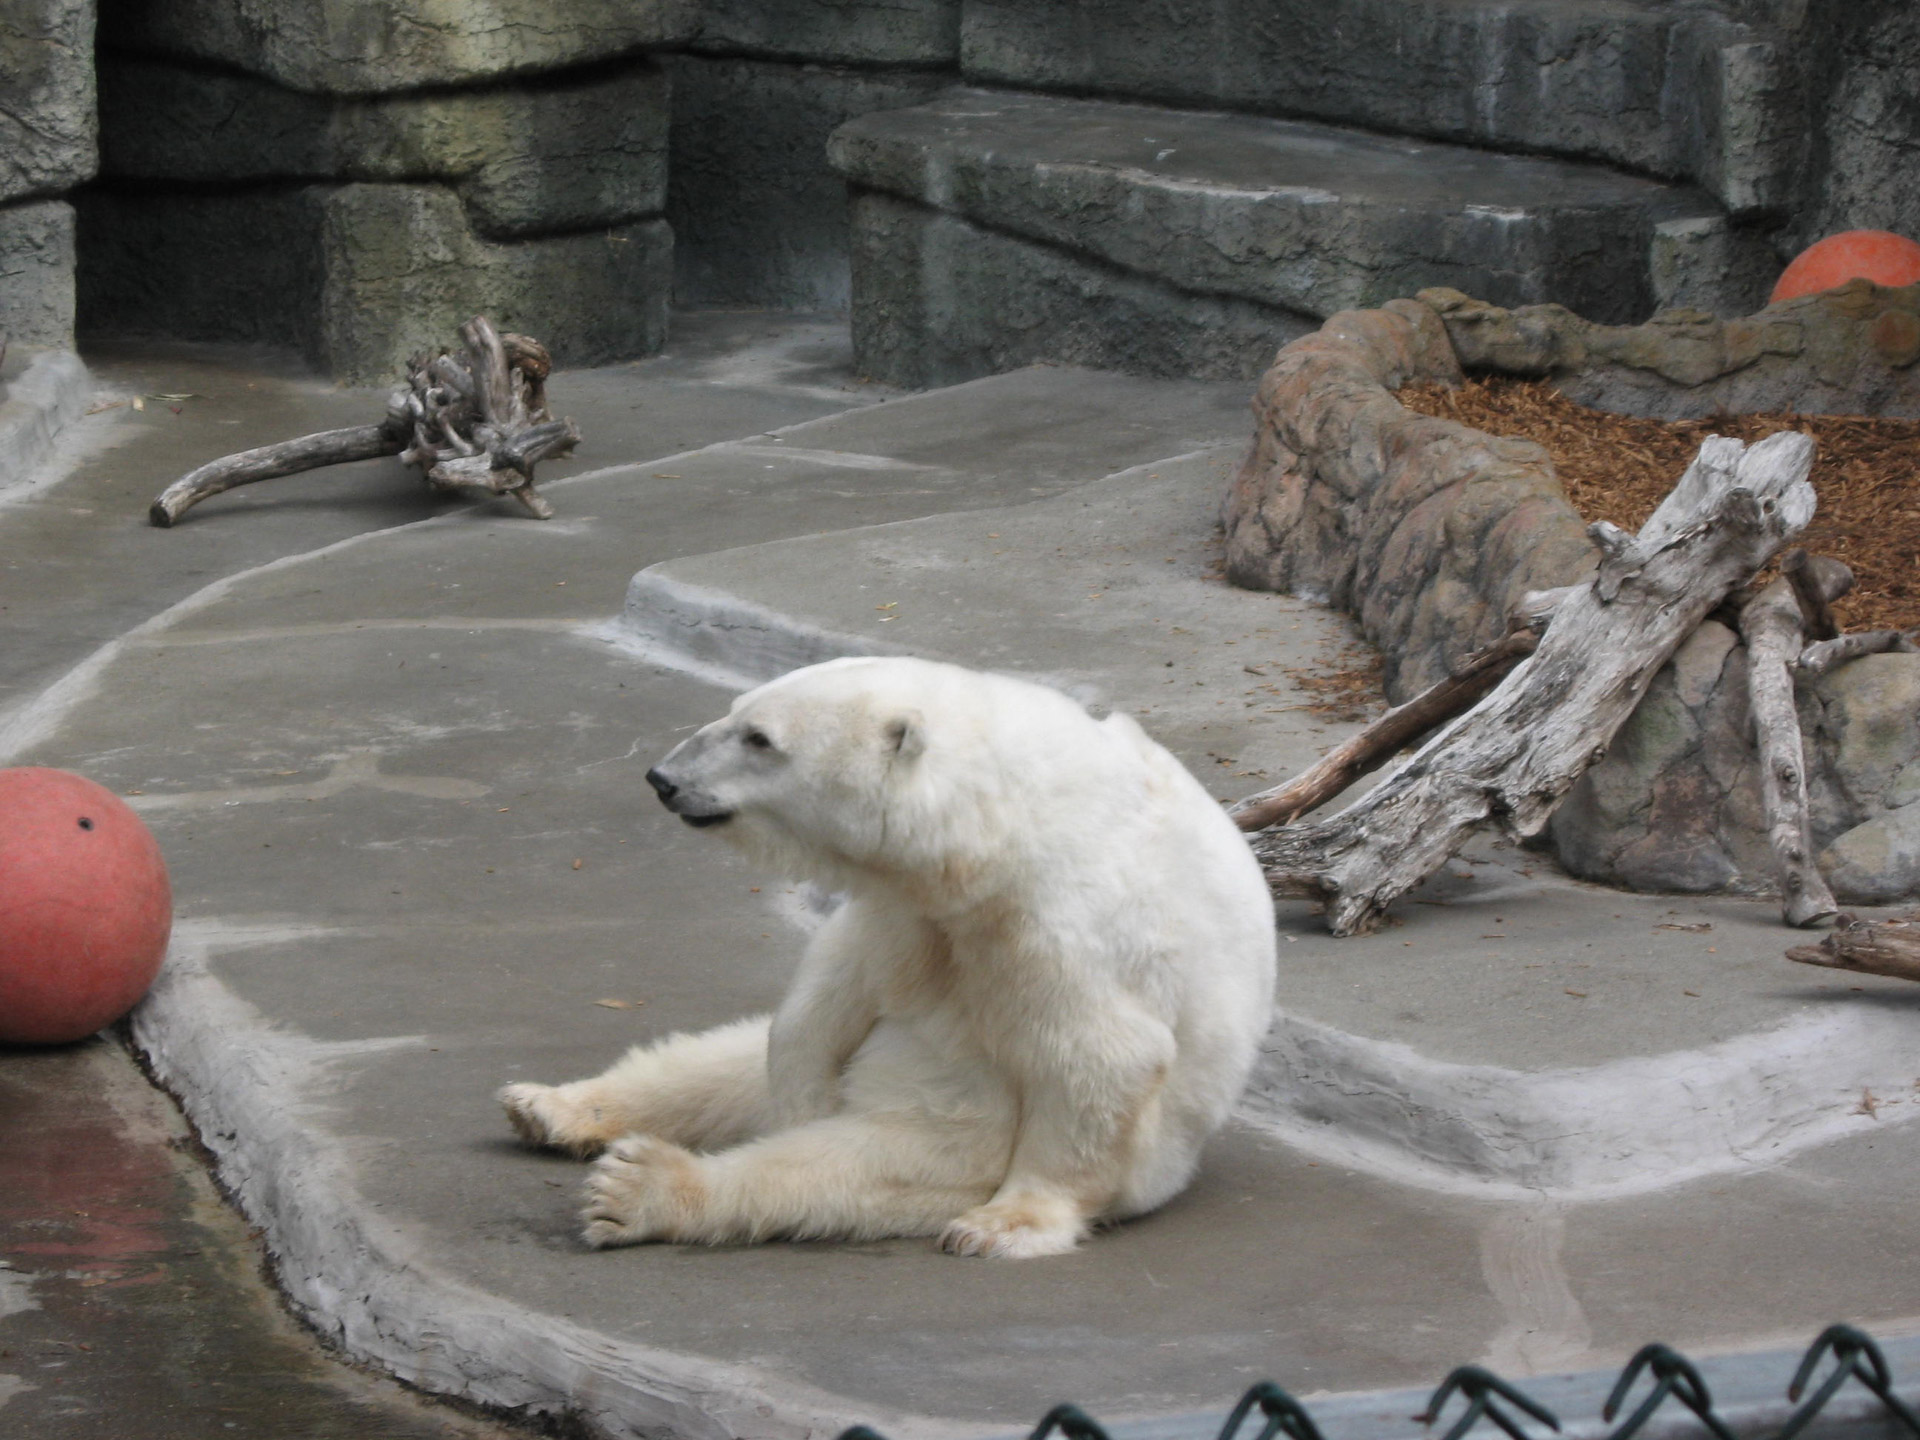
(641, 1189)
(541, 1117)
(1008, 1233)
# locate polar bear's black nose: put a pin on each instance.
(666, 788)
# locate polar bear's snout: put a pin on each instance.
(691, 805)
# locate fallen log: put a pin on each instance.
(476, 421)
(1511, 759)
(1386, 737)
(1868, 947)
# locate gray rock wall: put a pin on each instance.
(46, 97)
(1864, 163)
(363, 226)
(47, 147)
(358, 277)
(36, 273)
(758, 215)
(917, 33)
(553, 154)
(359, 47)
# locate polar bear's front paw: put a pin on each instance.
(1014, 1230)
(642, 1189)
(543, 1115)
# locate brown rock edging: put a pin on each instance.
(1429, 532)
(1847, 351)
(1425, 530)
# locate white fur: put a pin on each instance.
(1042, 995)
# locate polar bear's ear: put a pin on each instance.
(906, 734)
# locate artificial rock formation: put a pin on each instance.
(1433, 535)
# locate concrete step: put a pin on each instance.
(1666, 89)
(994, 228)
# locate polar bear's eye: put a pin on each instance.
(758, 739)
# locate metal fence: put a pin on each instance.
(1475, 1395)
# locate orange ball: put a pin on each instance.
(85, 908)
(1877, 255)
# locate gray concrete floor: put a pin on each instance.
(397, 778)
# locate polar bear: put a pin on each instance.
(1044, 989)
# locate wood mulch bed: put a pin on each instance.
(1620, 467)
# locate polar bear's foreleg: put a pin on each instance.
(706, 1091)
(849, 1177)
(1090, 1100)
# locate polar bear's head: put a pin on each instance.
(869, 763)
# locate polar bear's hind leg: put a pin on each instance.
(850, 1177)
(704, 1091)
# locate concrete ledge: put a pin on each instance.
(1660, 90)
(938, 300)
(44, 396)
(1298, 216)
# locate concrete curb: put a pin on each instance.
(718, 637)
(247, 1086)
(1620, 1128)
(47, 397)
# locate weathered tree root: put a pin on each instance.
(1868, 947)
(479, 421)
(1512, 758)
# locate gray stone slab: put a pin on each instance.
(938, 300)
(1662, 89)
(37, 273)
(1302, 217)
(359, 277)
(759, 217)
(857, 32)
(47, 127)
(356, 47)
(557, 154)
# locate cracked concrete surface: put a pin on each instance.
(393, 747)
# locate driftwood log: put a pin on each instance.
(1386, 737)
(1510, 760)
(1817, 659)
(1776, 624)
(1868, 947)
(478, 420)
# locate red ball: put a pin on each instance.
(85, 908)
(1877, 255)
